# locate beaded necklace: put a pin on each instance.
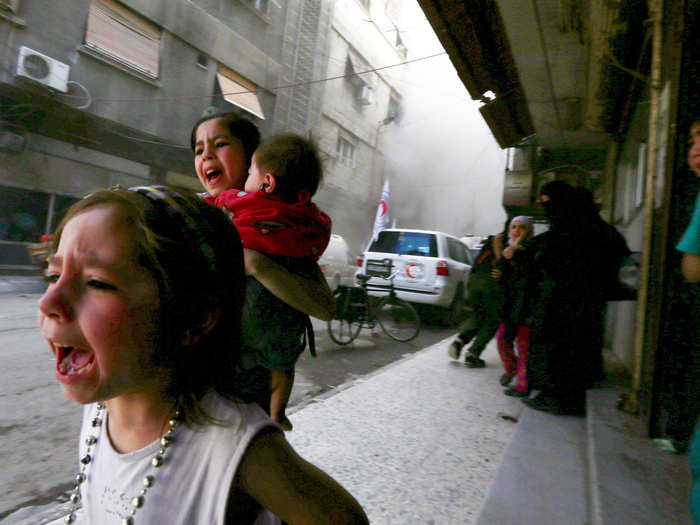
(156, 462)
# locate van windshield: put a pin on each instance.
(405, 243)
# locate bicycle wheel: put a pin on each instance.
(342, 331)
(397, 318)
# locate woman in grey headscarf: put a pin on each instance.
(516, 286)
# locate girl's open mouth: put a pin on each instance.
(72, 361)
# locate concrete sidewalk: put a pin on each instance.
(418, 441)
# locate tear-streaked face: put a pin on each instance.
(219, 159)
(99, 312)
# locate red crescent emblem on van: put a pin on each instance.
(412, 270)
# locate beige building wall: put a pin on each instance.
(350, 193)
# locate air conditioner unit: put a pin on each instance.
(366, 96)
(10, 5)
(42, 69)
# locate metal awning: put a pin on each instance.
(239, 92)
(359, 70)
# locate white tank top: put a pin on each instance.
(191, 487)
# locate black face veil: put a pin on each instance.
(562, 209)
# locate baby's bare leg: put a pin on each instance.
(281, 382)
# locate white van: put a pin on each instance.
(433, 268)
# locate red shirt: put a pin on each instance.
(269, 225)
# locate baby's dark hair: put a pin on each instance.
(194, 254)
(239, 127)
(295, 163)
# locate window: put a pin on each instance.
(26, 214)
(359, 73)
(400, 46)
(239, 91)
(394, 111)
(23, 215)
(457, 250)
(202, 60)
(346, 152)
(355, 69)
(405, 243)
(124, 36)
(365, 95)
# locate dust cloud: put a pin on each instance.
(445, 168)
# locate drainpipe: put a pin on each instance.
(630, 402)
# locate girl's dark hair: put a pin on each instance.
(199, 273)
(239, 127)
(295, 163)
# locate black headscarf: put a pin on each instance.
(563, 209)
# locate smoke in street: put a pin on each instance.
(445, 168)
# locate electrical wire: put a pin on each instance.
(240, 92)
(276, 88)
(90, 99)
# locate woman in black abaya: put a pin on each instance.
(576, 259)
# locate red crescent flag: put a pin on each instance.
(382, 219)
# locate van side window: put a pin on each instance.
(451, 250)
(456, 250)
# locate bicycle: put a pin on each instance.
(357, 309)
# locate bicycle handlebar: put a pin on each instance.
(364, 277)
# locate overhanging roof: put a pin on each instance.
(473, 35)
(553, 66)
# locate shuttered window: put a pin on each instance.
(358, 72)
(238, 91)
(123, 35)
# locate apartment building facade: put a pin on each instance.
(95, 93)
(362, 98)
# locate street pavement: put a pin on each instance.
(38, 425)
(20, 284)
(418, 441)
